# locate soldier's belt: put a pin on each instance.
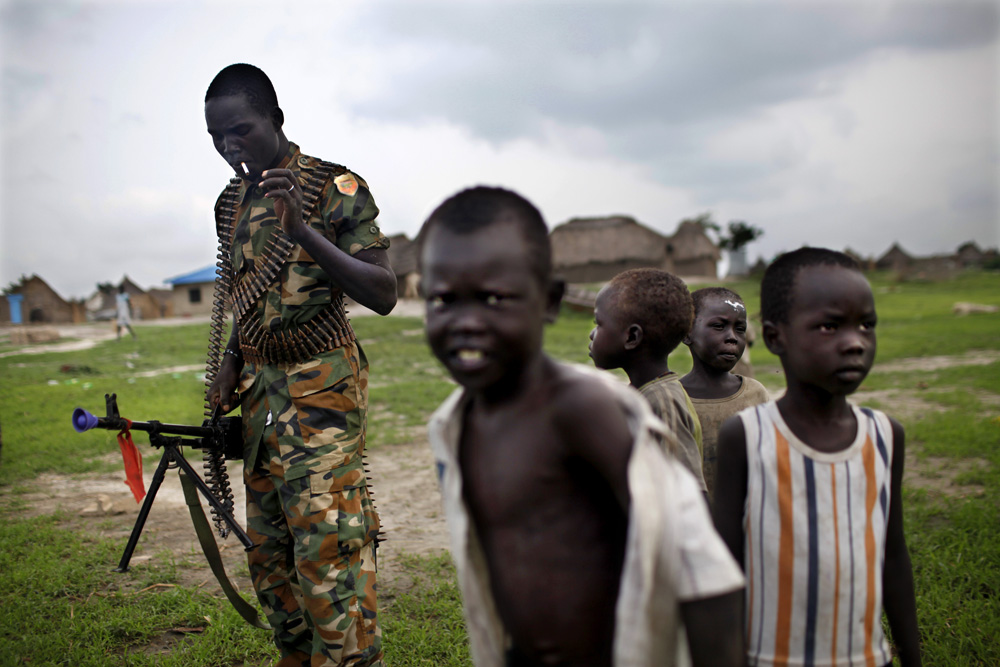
(326, 331)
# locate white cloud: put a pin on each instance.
(842, 124)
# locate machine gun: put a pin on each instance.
(216, 434)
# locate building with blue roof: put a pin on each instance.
(192, 292)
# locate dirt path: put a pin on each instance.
(402, 479)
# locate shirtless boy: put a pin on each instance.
(556, 494)
(808, 494)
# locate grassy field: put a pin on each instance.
(57, 578)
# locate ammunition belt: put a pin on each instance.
(328, 330)
(214, 459)
(255, 282)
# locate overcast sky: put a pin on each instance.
(834, 123)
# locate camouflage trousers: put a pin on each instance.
(314, 566)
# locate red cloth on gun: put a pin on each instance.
(133, 462)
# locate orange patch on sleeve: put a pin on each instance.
(346, 184)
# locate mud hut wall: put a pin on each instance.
(704, 267)
(145, 306)
(79, 311)
(164, 300)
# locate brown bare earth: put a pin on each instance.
(406, 496)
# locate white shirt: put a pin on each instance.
(673, 553)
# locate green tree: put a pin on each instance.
(740, 234)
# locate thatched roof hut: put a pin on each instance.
(895, 259)
(692, 252)
(969, 254)
(37, 303)
(596, 249)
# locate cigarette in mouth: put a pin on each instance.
(245, 170)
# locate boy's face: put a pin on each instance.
(607, 339)
(829, 339)
(719, 333)
(486, 308)
(241, 134)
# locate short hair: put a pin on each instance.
(479, 207)
(249, 81)
(698, 297)
(657, 301)
(779, 279)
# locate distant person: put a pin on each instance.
(717, 341)
(558, 498)
(123, 312)
(640, 317)
(303, 234)
(808, 494)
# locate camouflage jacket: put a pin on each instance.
(345, 214)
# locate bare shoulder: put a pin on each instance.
(590, 419)
(580, 398)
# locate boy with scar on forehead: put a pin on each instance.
(577, 540)
(717, 341)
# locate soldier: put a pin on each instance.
(301, 233)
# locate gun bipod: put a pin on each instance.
(173, 458)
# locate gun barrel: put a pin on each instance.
(84, 421)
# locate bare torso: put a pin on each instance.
(551, 523)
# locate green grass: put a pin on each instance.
(54, 576)
(424, 626)
(63, 604)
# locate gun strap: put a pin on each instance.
(211, 550)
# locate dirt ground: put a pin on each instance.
(402, 478)
(405, 489)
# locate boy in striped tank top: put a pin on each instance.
(808, 488)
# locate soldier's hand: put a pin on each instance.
(223, 388)
(282, 186)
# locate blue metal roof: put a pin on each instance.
(205, 275)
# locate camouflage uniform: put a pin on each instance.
(308, 506)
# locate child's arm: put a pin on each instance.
(731, 485)
(898, 597)
(714, 629)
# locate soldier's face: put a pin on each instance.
(242, 135)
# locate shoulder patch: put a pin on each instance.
(346, 184)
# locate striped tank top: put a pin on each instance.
(814, 546)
